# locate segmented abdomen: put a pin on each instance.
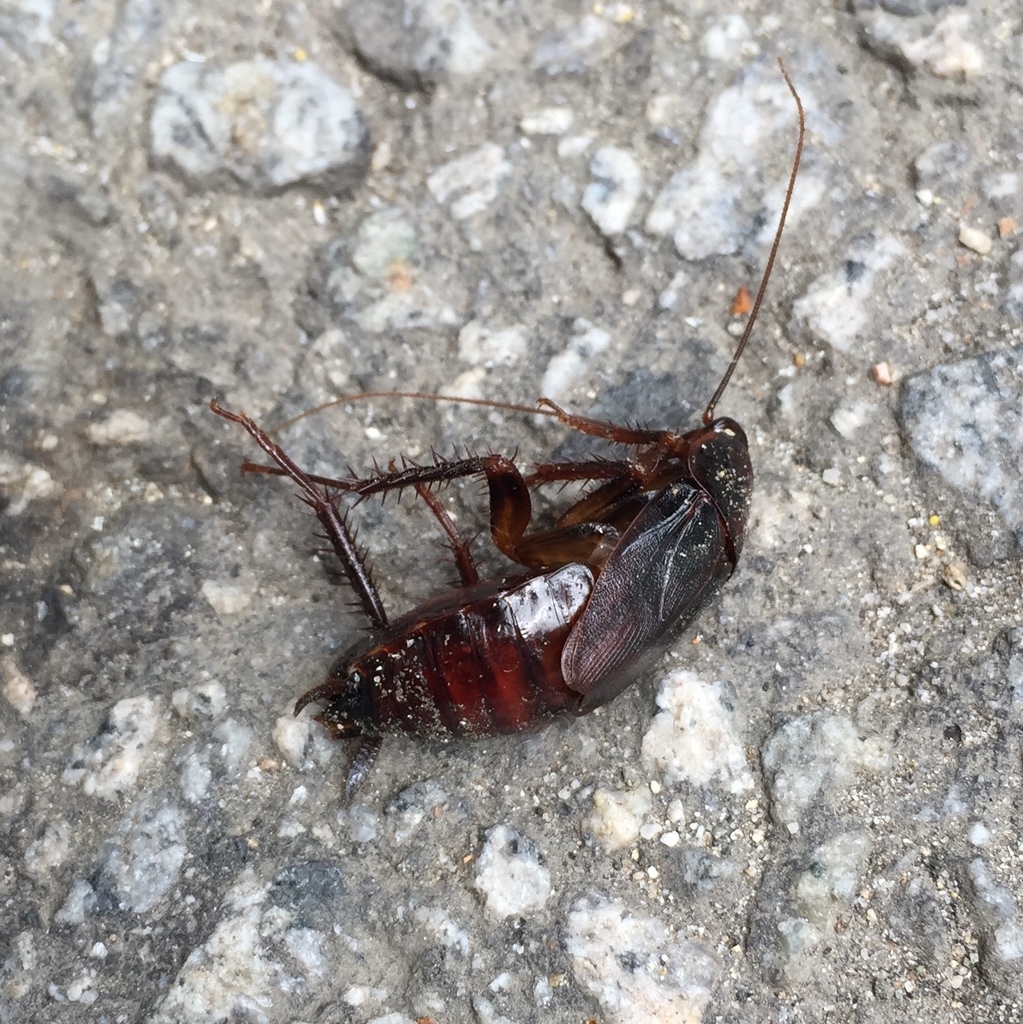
(478, 661)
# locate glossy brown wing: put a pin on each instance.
(668, 564)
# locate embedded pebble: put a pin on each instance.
(668, 298)
(548, 121)
(1002, 922)
(471, 181)
(611, 198)
(975, 239)
(814, 755)
(405, 309)
(81, 990)
(826, 889)
(708, 206)
(146, 854)
(412, 806)
(79, 903)
(228, 597)
(292, 736)
(486, 1013)
(360, 995)
(50, 850)
(965, 420)
(979, 834)
(467, 385)
(439, 923)
(491, 346)
(196, 776)
(23, 482)
(120, 750)
(362, 822)
(849, 417)
(306, 946)
(572, 50)
(378, 285)
(205, 700)
(224, 976)
(568, 367)
(235, 743)
(121, 427)
(311, 892)
(384, 241)
(693, 736)
(883, 373)
(728, 39)
(416, 43)
(835, 308)
(18, 688)
(838, 868)
(568, 148)
(946, 52)
(330, 363)
(260, 124)
(510, 874)
(618, 816)
(638, 970)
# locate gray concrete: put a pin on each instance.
(810, 814)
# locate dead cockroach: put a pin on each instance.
(606, 591)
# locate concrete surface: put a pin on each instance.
(811, 811)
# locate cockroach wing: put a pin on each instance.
(665, 568)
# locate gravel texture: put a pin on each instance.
(809, 813)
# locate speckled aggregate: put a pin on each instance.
(811, 810)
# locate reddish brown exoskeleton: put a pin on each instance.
(608, 589)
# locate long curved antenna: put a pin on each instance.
(708, 415)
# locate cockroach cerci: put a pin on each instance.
(604, 592)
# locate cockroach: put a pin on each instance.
(605, 592)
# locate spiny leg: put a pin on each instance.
(511, 512)
(459, 545)
(338, 533)
(601, 428)
(467, 572)
(621, 480)
(392, 480)
(575, 540)
(335, 483)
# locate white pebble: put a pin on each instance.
(618, 816)
(510, 875)
(548, 121)
(975, 239)
(122, 427)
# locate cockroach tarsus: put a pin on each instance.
(604, 592)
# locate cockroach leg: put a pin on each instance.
(615, 432)
(338, 534)
(467, 571)
(362, 763)
(334, 483)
